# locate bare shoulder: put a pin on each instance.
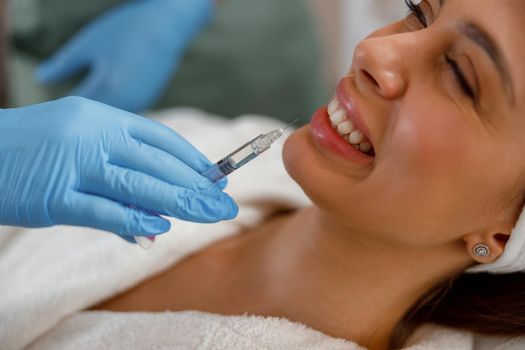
(210, 280)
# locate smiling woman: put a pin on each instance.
(440, 97)
(415, 173)
(416, 161)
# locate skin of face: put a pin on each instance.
(447, 167)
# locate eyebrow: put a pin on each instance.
(484, 40)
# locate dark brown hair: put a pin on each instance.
(480, 303)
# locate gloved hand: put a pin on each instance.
(130, 52)
(78, 162)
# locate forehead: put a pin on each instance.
(504, 21)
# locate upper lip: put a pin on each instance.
(348, 102)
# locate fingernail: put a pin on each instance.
(144, 242)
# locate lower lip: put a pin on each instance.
(326, 137)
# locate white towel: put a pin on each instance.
(513, 257)
(204, 331)
(48, 276)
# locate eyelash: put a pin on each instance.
(416, 11)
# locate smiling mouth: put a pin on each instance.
(347, 130)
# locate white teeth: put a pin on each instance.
(365, 147)
(338, 117)
(345, 127)
(333, 106)
(356, 137)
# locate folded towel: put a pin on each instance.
(198, 330)
(48, 276)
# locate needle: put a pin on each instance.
(291, 124)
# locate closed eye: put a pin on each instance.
(416, 11)
(460, 78)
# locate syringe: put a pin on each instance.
(233, 161)
(242, 155)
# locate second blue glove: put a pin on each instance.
(130, 52)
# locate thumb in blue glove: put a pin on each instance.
(78, 162)
(130, 52)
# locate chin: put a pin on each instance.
(301, 161)
(329, 189)
(295, 154)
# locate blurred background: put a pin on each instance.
(272, 57)
(343, 23)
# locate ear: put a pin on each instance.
(495, 241)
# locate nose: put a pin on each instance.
(380, 64)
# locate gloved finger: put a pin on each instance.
(155, 162)
(135, 188)
(164, 138)
(222, 183)
(104, 214)
(67, 61)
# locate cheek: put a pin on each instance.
(433, 160)
(432, 144)
(426, 143)
(423, 176)
(344, 192)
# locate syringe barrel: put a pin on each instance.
(228, 164)
(242, 155)
(231, 162)
(213, 173)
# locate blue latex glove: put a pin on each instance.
(75, 161)
(130, 51)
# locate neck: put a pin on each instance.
(346, 285)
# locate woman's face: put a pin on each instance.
(441, 97)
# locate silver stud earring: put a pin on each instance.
(481, 250)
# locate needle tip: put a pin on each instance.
(292, 123)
